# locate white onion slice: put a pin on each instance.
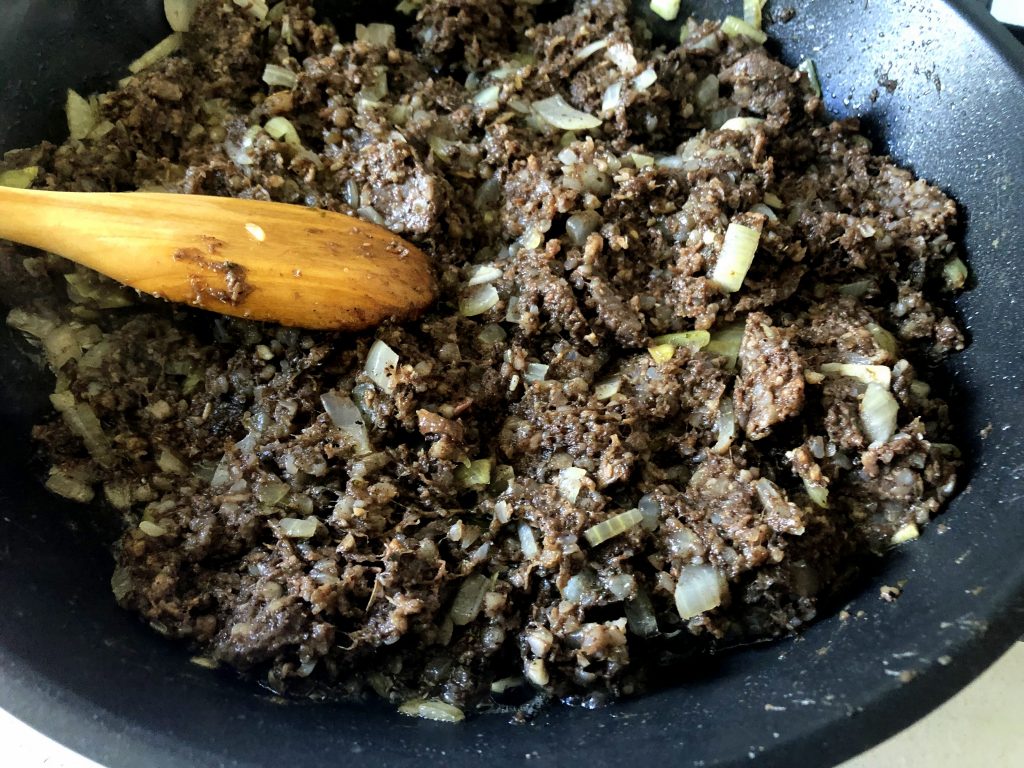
(741, 124)
(382, 35)
(557, 112)
(878, 411)
(298, 528)
(469, 599)
(348, 418)
(570, 481)
(737, 255)
(612, 527)
(700, 588)
(432, 710)
(667, 9)
(869, 374)
(612, 97)
(589, 50)
(725, 425)
(645, 80)
(527, 541)
(535, 372)
(282, 76)
(480, 299)
(179, 13)
(157, 53)
(483, 274)
(381, 365)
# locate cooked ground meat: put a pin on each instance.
(549, 492)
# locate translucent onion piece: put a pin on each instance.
(737, 255)
(257, 8)
(570, 481)
(64, 484)
(179, 13)
(650, 513)
(535, 372)
(557, 112)
(583, 584)
(621, 55)
(954, 272)
(607, 388)
(773, 200)
(492, 333)
(479, 299)
(690, 339)
(640, 615)
(817, 493)
(733, 26)
(382, 35)
(752, 12)
(170, 463)
(19, 178)
(707, 91)
(807, 66)
(878, 410)
(381, 365)
(282, 76)
(476, 475)
(81, 115)
(469, 599)
(700, 588)
(908, 532)
(152, 529)
(741, 124)
(641, 161)
(612, 97)
(869, 374)
(281, 128)
(885, 340)
(488, 97)
(661, 353)
(298, 528)
(857, 289)
(726, 342)
(725, 426)
(612, 527)
(349, 419)
(157, 53)
(589, 50)
(527, 541)
(483, 274)
(81, 420)
(645, 80)
(667, 9)
(432, 710)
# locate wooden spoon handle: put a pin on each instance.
(264, 261)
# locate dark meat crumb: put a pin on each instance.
(424, 527)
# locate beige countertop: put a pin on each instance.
(981, 726)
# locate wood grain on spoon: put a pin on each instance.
(288, 264)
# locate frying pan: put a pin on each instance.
(940, 87)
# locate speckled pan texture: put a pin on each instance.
(942, 88)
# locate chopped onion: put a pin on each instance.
(733, 26)
(773, 200)
(382, 35)
(725, 426)
(878, 410)
(707, 91)
(737, 255)
(775, 502)
(885, 340)
(381, 366)
(19, 178)
(667, 9)
(469, 599)
(908, 532)
(612, 527)
(179, 13)
(157, 53)
(752, 12)
(700, 588)
(817, 493)
(276, 75)
(869, 374)
(589, 50)
(621, 55)
(476, 475)
(607, 388)
(650, 512)
(81, 115)
(483, 274)
(298, 528)
(645, 80)
(954, 272)
(741, 124)
(535, 372)
(282, 129)
(480, 299)
(152, 529)
(661, 353)
(527, 541)
(640, 160)
(430, 709)
(570, 482)
(348, 418)
(557, 112)
(69, 486)
(169, 462)
(492, 333)
(726, 342)
(612, 97)
(583, 584)
(81, 419)
(488, 97)
(582, 225)
(856, 289)
(690, 339)
(640, 614)
(807, 66)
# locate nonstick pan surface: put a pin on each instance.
(941, 87)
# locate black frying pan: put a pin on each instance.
(75, 666)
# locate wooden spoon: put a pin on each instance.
(287, 264)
